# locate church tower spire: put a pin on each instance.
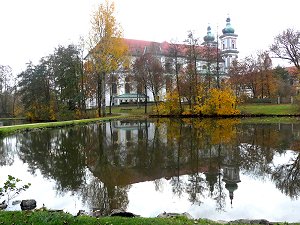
(209, 38)
(228, 40)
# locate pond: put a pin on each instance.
(217, 169)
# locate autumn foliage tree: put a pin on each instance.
(219, 102)
(254, 76)
(170, 105)
(108, 50)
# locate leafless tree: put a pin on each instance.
(149, 72)
(287, 46)
(174, 64)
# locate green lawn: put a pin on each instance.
(5, 130)
(55, 218)
(269, 109)
(132, 110)
(118, 112)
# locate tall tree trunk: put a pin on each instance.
(177, 82)
(99, 95)
(155, 101)
(14, 102)
(146, 100)
(110, 103)
(103, 94)
(110, 93)
(83, 105)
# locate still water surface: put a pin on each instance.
(216, 169)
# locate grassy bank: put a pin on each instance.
(55, 218)
(6, 130)
(138, 112)
(118, 112)
(269, 109)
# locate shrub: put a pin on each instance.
(219, 102)
(11, 189)
(171, 104)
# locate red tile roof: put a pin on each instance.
(139, 47)
(292, 70)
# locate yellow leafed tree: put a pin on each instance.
(171, 104)
(219, 102)
(108, 51)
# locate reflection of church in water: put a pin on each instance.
(227, 167)
(128, 134)
(231, 174)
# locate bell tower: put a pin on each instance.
(228, 41)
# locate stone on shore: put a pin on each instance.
(28, 204)
(170, 215)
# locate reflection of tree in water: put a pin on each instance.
(201, 146)
(158, 185)
(57, 154)
(214, 178)
(257, 145)
(7, 151)
(287, 177)
(104, 198)
(178, 185)
(219, 195)
(200, 149)
(195, 188)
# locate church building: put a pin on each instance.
(223, 47)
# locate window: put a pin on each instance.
(233, 43)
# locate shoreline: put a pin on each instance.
(8, 130)
(42, 216)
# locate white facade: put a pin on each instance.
(228, 40)
(225, 50)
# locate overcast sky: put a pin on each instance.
(31, 29)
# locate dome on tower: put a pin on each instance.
(209, 37)
(228, 29)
